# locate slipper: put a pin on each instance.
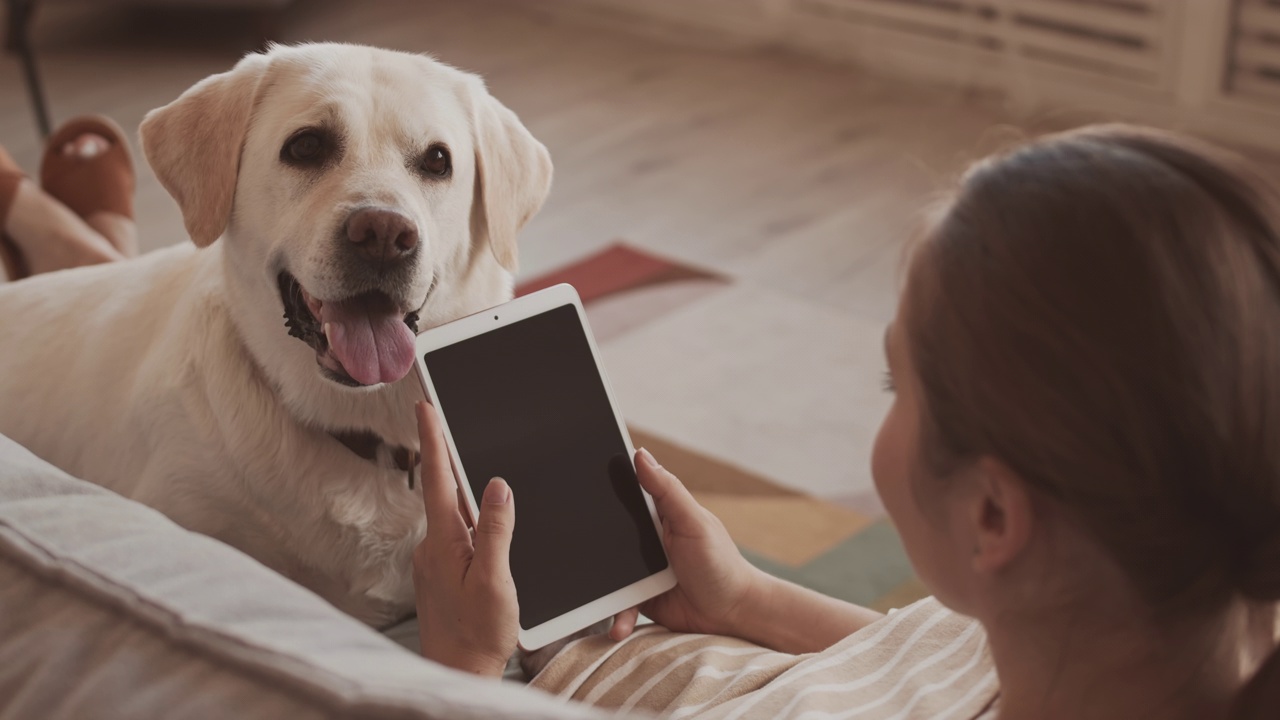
(102, 183)
(11, 176)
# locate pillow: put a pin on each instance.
(108, 609)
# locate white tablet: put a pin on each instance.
(522, 395)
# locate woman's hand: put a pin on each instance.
(716, 585)
(720, 593)
(468, 616)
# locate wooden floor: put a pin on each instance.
(802, 175)
(799, 180)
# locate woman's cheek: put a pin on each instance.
(891, 467)
(887, 466)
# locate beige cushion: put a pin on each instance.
(108, 609)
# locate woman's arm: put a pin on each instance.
(719, 592)
(788, 618)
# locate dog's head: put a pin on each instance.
(360, 195)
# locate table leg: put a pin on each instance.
(19, 41)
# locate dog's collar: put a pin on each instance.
(370, 446)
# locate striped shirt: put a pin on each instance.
(922, 661)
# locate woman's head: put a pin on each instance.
(1096, 318)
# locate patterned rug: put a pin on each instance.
(844, 549)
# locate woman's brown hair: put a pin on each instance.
(1100, 310)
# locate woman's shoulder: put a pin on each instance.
(909, 633)
(920, 661)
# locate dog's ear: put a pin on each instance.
(513, 174)
(193, 144)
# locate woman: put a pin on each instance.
(1082, 456)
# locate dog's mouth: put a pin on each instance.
(365, 339)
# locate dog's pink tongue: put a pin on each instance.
(369, 337)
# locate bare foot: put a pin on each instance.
(50, 236)
(120, 230)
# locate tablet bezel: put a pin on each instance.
(523, 308)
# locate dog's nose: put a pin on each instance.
(381, 235)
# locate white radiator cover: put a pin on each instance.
(1211, 66)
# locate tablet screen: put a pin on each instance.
(526, 403)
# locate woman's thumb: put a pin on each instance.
(673, 500)
(494, 528)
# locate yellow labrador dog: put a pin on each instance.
(256, 386)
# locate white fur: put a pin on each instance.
(171, 378)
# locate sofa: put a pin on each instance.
(110, 610)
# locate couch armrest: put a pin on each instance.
(109, 609)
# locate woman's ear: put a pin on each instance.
(1002, 515)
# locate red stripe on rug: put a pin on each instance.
(614, 269)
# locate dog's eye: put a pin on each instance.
(436, 161)
(305, 148)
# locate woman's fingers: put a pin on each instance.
(467, 607)
(674, 502)
(439, 489)
(494, 528)
(623, 624)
